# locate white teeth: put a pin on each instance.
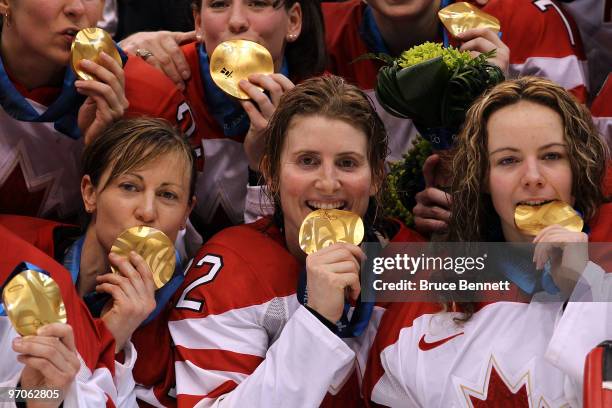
(326, 206)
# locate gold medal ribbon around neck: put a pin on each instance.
(531, 219)
(234, 60)
(87, 45)
(155, 248)
(322, 228)
(460, 17)
(31, 300)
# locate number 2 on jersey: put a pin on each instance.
(216, 263)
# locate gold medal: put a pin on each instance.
(235, 60)
(460, 17)
(88, 44)
(32, 300)
(155, 248)
(531, 219)
(322, 228)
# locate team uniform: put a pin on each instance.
(594, 19)
(99, 380)
(138, 376)
(542, 41)
(241, 335)
(602, 110)
(509, 354)
(221, 190)
(39, 165)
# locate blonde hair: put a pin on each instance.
(130, 144)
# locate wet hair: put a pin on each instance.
(472, 212)
(307, 55)
(330, 97)
(132, 143)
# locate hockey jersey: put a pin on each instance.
(602, 110)
(542, 40)
(223, 178)
(422, 357)
(594, 19)
(93, 386)
(39, 166)
(137, 374)
(508, 354)
(241, 335)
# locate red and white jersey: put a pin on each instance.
(222, 185)
(132, 375)
(508, 354)
(594, 19)
(240, 333)
(93, 385)
(542, 40)
(39, 166)
(602, 110)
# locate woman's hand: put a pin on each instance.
(106, 101)
(260, 109)
(332, 274)
(481, 40)
(50, 360)
(432, 209)
(165, 52)
(574, 251)
(133, 293)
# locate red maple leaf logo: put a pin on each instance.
(499, 394)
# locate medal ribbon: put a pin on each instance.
(95, 301)
(358, 322)
(63, 112)
(226, 110)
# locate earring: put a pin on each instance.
(7, 18)
(199, 37)
(291, 37)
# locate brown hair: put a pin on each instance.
(130, 144)
(307, 55)
(472, 214)
(332, 97)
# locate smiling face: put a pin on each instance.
(155, 195)
(528, 161)
(323, 164)
(261, 21)
(43, 30)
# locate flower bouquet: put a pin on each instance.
(433, 86)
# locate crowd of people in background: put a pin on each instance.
(247, 318)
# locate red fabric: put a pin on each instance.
(595, 396)
(94, 342)
(526, 30)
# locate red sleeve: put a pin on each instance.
(94, 342)
(151, 93)
(396, 317)
(543, 41)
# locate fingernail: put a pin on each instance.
(17, 342)
(185, 74)
(180, 87)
